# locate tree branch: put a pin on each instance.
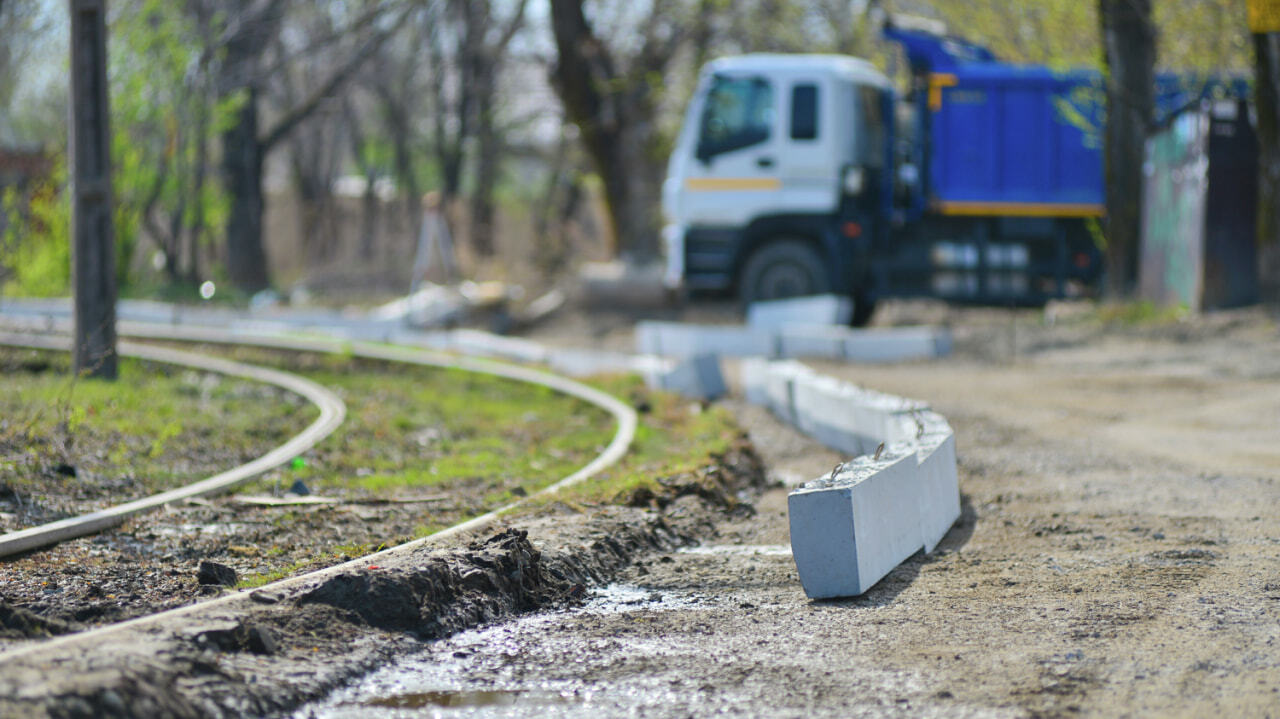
(340, 76)
(513, 27)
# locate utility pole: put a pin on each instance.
(93, 267)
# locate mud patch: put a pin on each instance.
(19, 623)
(274, 650)
(499, 575)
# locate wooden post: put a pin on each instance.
(93, 266)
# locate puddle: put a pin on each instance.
(216, 528)
(466, 699)
(617, 598)
(740, 550)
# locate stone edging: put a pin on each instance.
(899, 495)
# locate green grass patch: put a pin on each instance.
(412, 428)
(1143, 312)
(675, 436)
(254, 581)
(156, 427)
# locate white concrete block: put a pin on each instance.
(697, 377)
(796, 311)
(779, 388)
(939, 488)
(823, 342)
(753, 375)
(941, 342)
(891, 344)
(826, 409)
(673, 339)
(580, 363)
(848, 533)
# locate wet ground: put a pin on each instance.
(1118, 554)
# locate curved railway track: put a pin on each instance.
(332, 412)
(623, 414)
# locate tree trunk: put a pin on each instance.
(196, 228)
(488, 151)
(633, 191)
(242, 171)
(1129, 50)
(615, 115)
(1266, 48)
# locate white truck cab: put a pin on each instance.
(776, 180)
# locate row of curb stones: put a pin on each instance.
(899, 495)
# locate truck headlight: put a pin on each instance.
(852, 182)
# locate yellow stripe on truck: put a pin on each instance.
(730, 184)
(1021, 209)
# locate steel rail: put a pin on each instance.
(332, 411)
(623, 414)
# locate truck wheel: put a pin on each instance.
(785, 268)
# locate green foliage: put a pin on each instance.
(35, 251)
(1206, 36)
(165, 114)
(1062, 34)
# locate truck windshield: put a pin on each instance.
(738, 114)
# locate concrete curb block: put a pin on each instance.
(850, 529)
(695, 376)
(698, 377)
(890, 344)
(812, 310)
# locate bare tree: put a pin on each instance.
(369, 169)
(488, 55)
(613, 98)
(250, 30)
(452, 87)
(1129, 50)
(394, 81)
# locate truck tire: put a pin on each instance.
(780, 269)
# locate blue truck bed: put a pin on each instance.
(1017, 140)
(1013, 140)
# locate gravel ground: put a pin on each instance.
(1118, 555)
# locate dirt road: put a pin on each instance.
(1118, 555)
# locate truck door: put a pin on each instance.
(734, 175)
(809, 164)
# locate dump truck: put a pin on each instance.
(810, 174)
